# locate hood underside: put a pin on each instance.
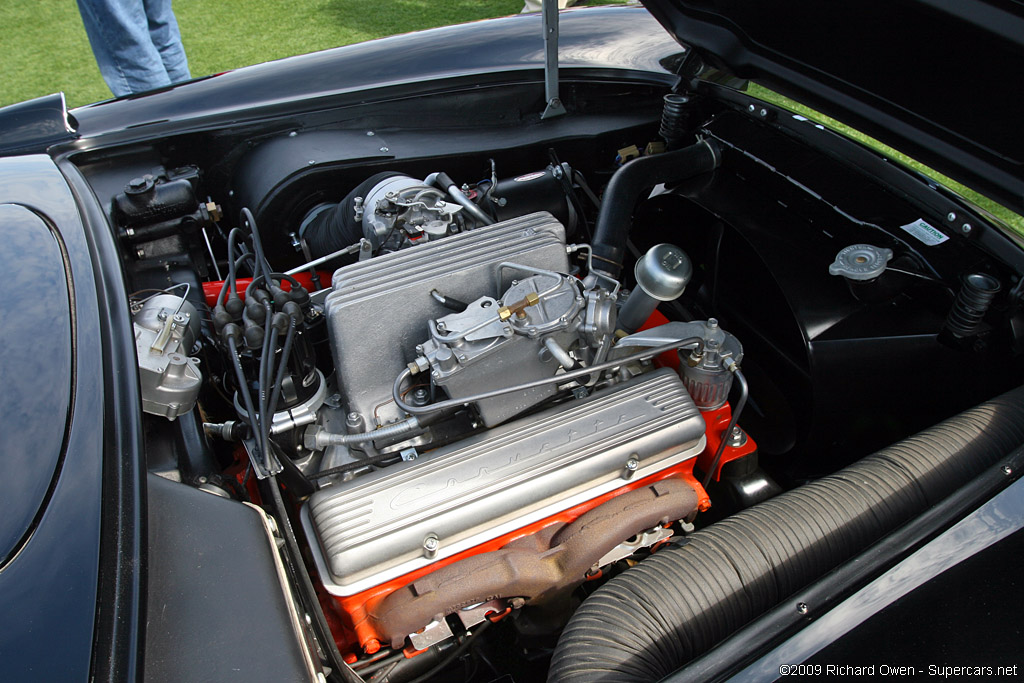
(932, 78)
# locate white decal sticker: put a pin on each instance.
(925, 232)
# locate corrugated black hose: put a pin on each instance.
(334, 226)
(653, 618)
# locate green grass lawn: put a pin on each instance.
(44, 48)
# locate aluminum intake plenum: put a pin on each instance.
(372, 529)
(378, 310)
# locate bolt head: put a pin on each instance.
(966, 228)
(950, 216)
(1007, 470)
(385, 149)
(802, 607)
(751, 108)
(632, 464)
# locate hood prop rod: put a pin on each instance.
(550, 27)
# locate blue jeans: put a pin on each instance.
(136, 42)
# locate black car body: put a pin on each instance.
(147, 532)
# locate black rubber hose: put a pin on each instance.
(680, 602)
(335, 226)
(675, 119)
(625, 188)
(972, 302)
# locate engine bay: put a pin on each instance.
(490, 376)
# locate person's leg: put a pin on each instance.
(163, 29)
(119, 35)
(535, 5)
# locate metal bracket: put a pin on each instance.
(550, 27)
(258, 465)
(431, 634)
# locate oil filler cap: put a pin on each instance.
(860, 262)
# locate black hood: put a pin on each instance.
(933, 78)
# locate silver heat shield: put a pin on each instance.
(378, 309)
(372, 529)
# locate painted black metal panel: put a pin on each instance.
(929, 77)
(35, 369)
(48, 590)
(607, 41)
(216, 610)
(34, 125)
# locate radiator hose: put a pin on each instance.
(627, 186)
(653, 618)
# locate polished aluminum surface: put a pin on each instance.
(372, 529)
(495, 356)
(663, 272)
(379, 309)
(166, 328)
